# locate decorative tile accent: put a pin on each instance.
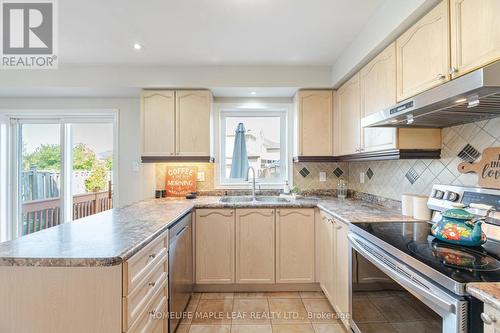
(338, 172)
(412, 176)
(369, 173)
(304, 172)
(469, 153)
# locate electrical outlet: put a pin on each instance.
(362, 177)
(322, 176)
(200, 176)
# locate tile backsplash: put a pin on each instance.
(386, 179)
(390, 179)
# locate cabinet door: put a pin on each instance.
(315, 117)
(295, 245)
(193, 109)
(214, 245)
(327, 257)
(378, 92)
(423, 53)
(348, 104)
(341, 268)
(158, 123)
(475, 35)
(255, 246)
(493, 326)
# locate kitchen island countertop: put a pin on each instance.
(487, 292)
(111, 237)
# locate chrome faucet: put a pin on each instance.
(253, 180)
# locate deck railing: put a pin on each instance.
(43, 214)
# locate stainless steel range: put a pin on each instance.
(403, 279)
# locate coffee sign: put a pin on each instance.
(488, 169)
(180, 180)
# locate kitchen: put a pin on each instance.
(179, 172)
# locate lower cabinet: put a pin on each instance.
(214, 245)
(255, 245)
(295, 245)
(326, 256)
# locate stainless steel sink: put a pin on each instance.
(271, 199)
(236, 199)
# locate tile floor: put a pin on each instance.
(269, 312)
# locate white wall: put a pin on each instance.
(130, 182)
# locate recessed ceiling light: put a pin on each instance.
(461, 100)
(253, 93)
(137, 46)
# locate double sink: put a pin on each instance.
(238, 199)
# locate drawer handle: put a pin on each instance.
(152, 255)
(152, 313)
(151, 284)
(487, 319)
(440, 76)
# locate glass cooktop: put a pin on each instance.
(462, 264)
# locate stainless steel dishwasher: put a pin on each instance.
(180, 269)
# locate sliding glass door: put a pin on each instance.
(63, 171)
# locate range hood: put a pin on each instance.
(469, 98)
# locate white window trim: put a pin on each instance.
(9, 170)
(223, 109)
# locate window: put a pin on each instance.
(264, 133)
(62, 170)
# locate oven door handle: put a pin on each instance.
(403, 280)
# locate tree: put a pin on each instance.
(84, 158)
(97, 180)
(45, 157)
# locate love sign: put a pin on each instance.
(488, 169)
(180, 180)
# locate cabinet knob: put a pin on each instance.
(152, 313)
(151, 284)
(487, 319)
(152, 255)
(440, 76)
(453, 70)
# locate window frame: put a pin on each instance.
(225, 110)
(13, 119)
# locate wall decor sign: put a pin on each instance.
(179, 180)
(488, 169)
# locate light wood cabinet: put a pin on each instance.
(378, 92)
(341, 269)
(215, 245)
(493, 316)
(326, 256)
(315, 122)
(295, 245)
(423, 53)
(192, 113)
(158, 123)
(176, 123)
(255, 245)
(475, 36)
(348, 110)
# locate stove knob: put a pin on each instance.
(438, 194)
(451, 196)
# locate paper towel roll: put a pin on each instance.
(407, 204)
(420, 210)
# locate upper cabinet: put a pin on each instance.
(314, 122)
(175, 124)
(423, 53)
(475, 36)
(158, 123)
(348, 115)
(378, 91)
(192, 115)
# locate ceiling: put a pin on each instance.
(209, 32)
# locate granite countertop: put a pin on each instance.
(487, 292)
(111, 237)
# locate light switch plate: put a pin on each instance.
(322, 176)
(200, 176)
(362, 177)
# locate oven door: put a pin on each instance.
(388, 296)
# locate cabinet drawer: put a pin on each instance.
(147, 320)
(135, 302)
(142, 263)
